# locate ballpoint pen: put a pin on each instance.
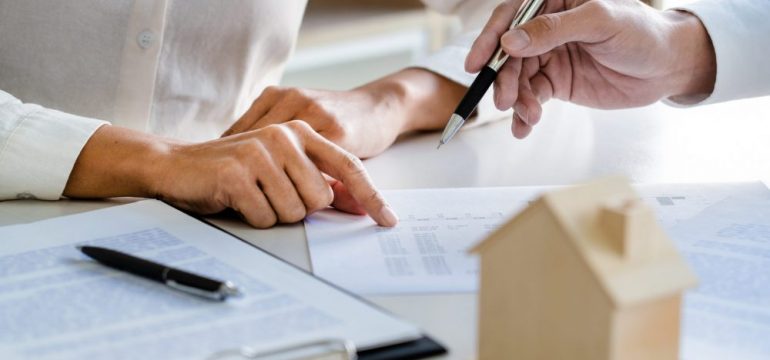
(487, 76)
(175, 278)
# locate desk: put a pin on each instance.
(727, 142)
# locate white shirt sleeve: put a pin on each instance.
(739, 31)
(449, 61)
(38, 148)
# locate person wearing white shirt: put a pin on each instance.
(622, 53)
(128, 98)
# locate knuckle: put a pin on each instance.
(248, 150)
(374, 198)
(293, 214)
(323, 200)
(503, 9)
(600, 9)
(318, 110)
(298, 126)
(352, 164)
(270, 130)
(548, 23)
(336, 130)
(277, 133)
(271, 90)
(295, 93)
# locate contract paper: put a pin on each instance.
(427, 251)
(56, 303)
(728, 315)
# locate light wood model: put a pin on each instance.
(581, 273)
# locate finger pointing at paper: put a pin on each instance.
(277, 174)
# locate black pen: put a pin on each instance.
(487, 76)
(175, 278)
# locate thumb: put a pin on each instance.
(586, 23)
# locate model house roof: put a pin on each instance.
(616, 235)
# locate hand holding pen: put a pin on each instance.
(488, 73)
(598, 53)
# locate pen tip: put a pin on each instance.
(439, 145)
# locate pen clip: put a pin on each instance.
(218, 295)
(528, 10)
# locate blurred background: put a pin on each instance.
(345, 43)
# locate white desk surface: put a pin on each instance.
(718, 143)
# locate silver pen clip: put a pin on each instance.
(227, 289)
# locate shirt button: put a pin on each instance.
(145, 39)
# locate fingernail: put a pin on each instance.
(516, 40)
(390, 217)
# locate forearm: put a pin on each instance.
(117, 162)
(425, 99)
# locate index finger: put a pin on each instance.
(486, 43)
(348, 169)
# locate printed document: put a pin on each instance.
(728, 245)
(427, 251)
(57, 303)
(723, 230)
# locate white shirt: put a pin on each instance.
(184, 69)
(740, 32)
(179, 68)
(188, 68)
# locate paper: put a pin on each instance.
(424, 253)
(56, 303)
(427, 251)
(728, 246)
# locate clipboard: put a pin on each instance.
(335, 350)
(289, 306)
(420, 348)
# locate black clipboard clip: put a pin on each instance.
(330, 349)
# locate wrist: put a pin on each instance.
(694, 64)
(155, 172)
(117, 162)
(390, 102)
(424, 99)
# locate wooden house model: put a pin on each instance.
(581, 273)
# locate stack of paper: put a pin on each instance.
(56, 303)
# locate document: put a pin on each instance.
(57, 303)
(728, 245)
(427, 251)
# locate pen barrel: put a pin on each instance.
(528, 10)
(477, 90)
(120, 261)
(193, 281)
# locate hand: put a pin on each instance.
(598, 53)
(272, 175)
(364, 121)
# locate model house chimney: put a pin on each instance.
(629, 224)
